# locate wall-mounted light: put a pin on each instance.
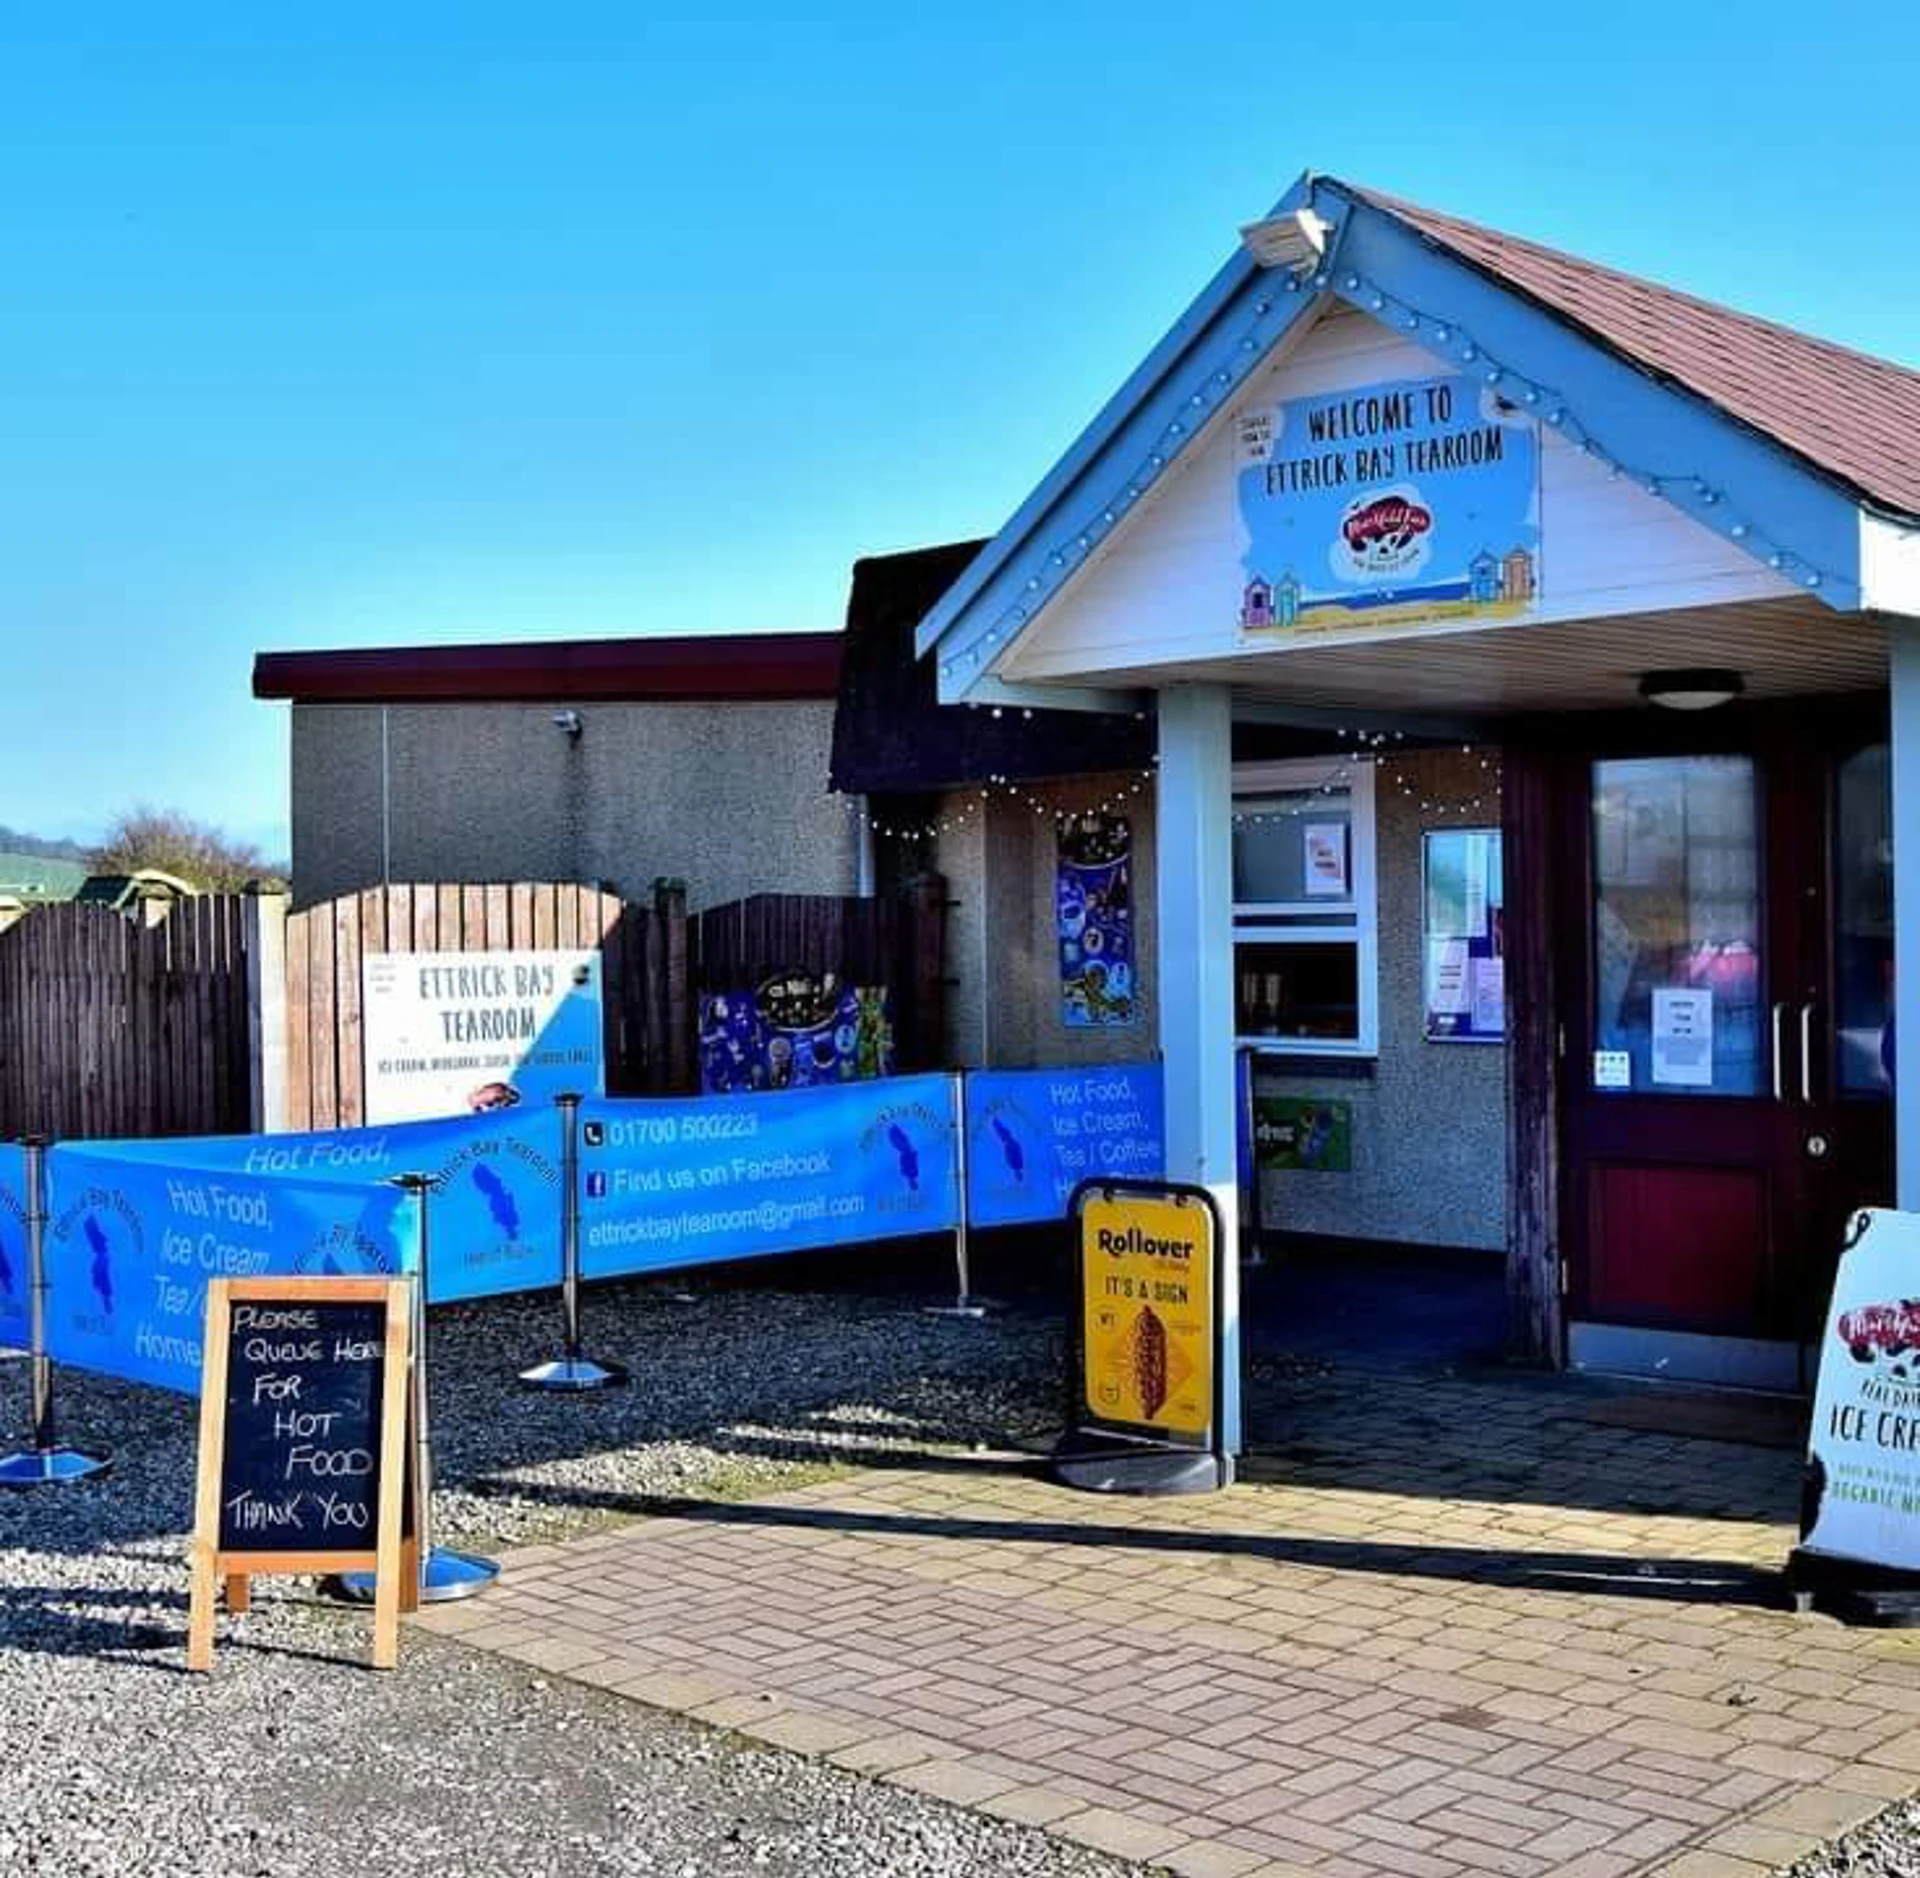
(571, 723)
(1692, 687)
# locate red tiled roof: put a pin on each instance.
(729, 668)
(1852, 416)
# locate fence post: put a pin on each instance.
(926, 902)
(266, 942)
(46, 1463)
(444, 1573)
(965, 1304)
(573, 1369)
(675, 990)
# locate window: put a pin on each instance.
(1863, 921)
(1304, 933)
(1677, 979)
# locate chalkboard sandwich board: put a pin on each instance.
(304, 1424)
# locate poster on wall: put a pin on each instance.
(1464, 936)
(1862, 1499)
(1303, 1134)
(1093, 916)
(1324, 860)
(796, 1030)
(450, 1033)
(1408, 502)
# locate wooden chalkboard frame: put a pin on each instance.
(394, 1559)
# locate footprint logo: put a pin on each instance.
(499, 1198)
(1015, 1155)
(101, 1270)
(6, 1273)
(909, 1155)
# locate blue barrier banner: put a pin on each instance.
(14, 1301)
(494, 1217)
(666, 1184)
(1034, 1134)
(133, 1241)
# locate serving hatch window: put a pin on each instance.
(1304, 917)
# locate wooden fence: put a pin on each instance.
(897, 941)
(109, 1027)
(644, 977)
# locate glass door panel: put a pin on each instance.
(1863, 923)
(1677, 927)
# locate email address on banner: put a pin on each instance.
(764, 1216)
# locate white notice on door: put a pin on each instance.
(1683, 1037)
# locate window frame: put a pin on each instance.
(1293, 776)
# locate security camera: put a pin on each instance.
(571, 722)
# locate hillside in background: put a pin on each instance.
(14, 841)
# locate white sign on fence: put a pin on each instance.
(451, 1032)
(1863, 1499)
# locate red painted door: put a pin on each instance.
(1718, 1118)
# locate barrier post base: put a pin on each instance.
(445, 1575)
(960, 1307)
(51, 1467)
(574, 1374)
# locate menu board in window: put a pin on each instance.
(1464, 937)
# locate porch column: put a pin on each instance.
(1904, 659)
(1194, 870)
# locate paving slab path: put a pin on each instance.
(1445, 1626)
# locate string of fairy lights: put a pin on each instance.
(1414, 776)
(1404, 773)
(1274, 309)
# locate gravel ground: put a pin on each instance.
(1887, 1846)
(290, 1758)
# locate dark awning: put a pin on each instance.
(890, 734)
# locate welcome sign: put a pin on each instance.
(1407, 502)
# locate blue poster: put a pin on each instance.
(1412, 501)
(1093, 915)
(666, 1184)
(493, 1213)
(15, 1304)
(133, 1241)
(795, 1032)
(1034, 1134)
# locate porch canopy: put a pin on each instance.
(1392, 468)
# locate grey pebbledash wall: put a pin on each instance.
(1004, 1007)
(731, 798)
(1430, 1119)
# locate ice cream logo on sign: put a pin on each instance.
(1384, 535)
(1885, 1336)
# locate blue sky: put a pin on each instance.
(359, 325)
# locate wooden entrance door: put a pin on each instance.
(1719, 1117)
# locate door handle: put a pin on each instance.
(1779, 1065)
(1806, 1052)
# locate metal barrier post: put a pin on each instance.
(965, 1304)
(573, 1370)
(46, 1463)
(444, 1574)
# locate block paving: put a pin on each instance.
(1443, 1627)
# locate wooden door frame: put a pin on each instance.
(1542, 790)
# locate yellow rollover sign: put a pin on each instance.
(1147, 1303)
